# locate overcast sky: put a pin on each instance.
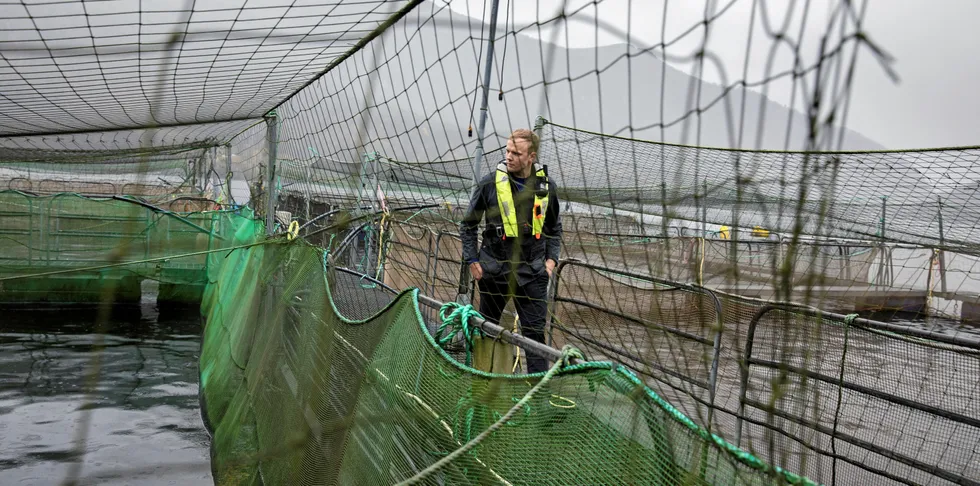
(934, 103)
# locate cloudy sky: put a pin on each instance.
(934, 103)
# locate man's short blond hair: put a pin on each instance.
(529, 136)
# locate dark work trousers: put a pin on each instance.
(532, 307)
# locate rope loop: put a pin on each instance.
(455, 319)
(568, 352)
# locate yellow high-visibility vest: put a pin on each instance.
(508, 210)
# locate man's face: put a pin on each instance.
(519, 156)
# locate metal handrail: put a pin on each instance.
(860, 323)
(719, 313)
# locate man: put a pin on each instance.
(522, 239)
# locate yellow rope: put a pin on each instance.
(517, 362)
(381, 239)
(567, 353)
(934, 261)
(517, 349)
(701, 263)
(553, 404)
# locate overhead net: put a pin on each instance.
(779, 290)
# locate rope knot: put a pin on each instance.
(456, 318)
(849, 319)
(568, 352)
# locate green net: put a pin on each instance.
(297, 393)
(69, 248)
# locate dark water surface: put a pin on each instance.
(145, 424)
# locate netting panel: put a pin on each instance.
(78, 66)
(385, 401)
(897, 414)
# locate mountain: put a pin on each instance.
(608, 89)
(414, 92)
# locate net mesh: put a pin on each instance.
(387, 401)
(69, 248)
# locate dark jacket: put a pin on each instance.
(496, 253)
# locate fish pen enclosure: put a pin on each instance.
(69, 248)
(735, 287)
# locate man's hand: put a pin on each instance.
(549, 265)
(476, 270)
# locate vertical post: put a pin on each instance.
(733, 235)
(212, 166)
(202, 170)
(193, 171)
(375, 169)
(552, 289)
(485, 95)
(885, 271)
(360, 182)
(372, 267)
(697, 208)
(482, 126)
(704, 209)
(929, 279)
(228, 174)
(883, 213)
(308, 173)
(942, 249)
(272, 134)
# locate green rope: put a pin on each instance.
(458, 320)
(567, 353)
(848, 322)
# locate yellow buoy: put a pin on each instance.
(760, 232)
(723, 232)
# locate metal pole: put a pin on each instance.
(228, 173)
(376, 206)
(704, 210)
(882, 269)
(361, 182)
(482, 126)
(942, 249)
(697, 207)
(211, 167)
(375, 168)
(485, 97)
(495, 331)
(883, 200)
(193, 171)
(272, 133)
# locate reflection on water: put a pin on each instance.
(145, 425)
